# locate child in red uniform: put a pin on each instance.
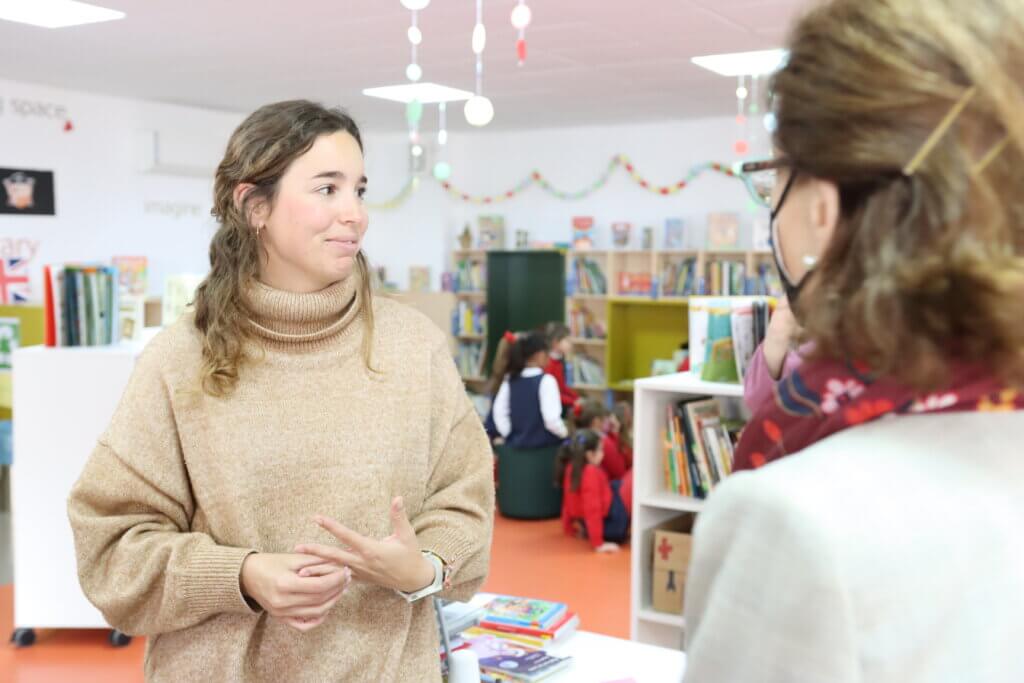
(593, 415)
(589, 500)
(620, 431)
(560, 348)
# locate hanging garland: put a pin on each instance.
(400, 198)
(619, 160)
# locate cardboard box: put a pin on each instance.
(672, 545)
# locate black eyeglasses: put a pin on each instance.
(762, 176)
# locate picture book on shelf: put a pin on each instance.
(582, 233)
(419, 278)
(723, 231)
(131, 271)
(621, 233)
(491, 232)
(673, 233)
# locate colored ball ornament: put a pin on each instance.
(442, 171)
(521, 16)
(415, 35)
(741, 147)
(415, 5)
(414, 112)
(479, 111)
(521, 50)
(414, 72)
(479, 38)
(770, 122)
(741, 93)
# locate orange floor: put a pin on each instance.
(528, 558)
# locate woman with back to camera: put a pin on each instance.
(887, 547)
(293, 436)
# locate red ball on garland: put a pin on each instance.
(521, 50)
(741, 147)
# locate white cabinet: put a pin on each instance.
(63, 399)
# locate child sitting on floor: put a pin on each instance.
(593, 415)
(591, 505)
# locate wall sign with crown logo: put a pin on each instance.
(27, 192)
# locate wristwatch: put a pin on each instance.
(435, 586)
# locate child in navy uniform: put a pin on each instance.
(528, 409)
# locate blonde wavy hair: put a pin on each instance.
(259, 152)
(914, 108)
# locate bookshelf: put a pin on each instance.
(469, 283)
(641, 327)
(652, 503)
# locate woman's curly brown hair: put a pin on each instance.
(259, 152)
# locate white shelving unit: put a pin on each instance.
(652, 502)
(63, 399)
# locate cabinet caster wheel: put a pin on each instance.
(118, 639)
(23, 637)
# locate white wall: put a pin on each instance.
(106, 206)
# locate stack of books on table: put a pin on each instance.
(510, 639)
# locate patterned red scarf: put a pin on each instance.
(821, 398)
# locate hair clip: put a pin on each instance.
(510, 337)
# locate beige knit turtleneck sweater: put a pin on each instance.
(182, 486)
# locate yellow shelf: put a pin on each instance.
(648, 301)
(623, 385)
(584, 341)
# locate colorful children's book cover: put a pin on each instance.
(492, 232)
(524, 612)
(514, 660)
(582, 233)
(131, 274)
(673, 233)
(723, 231)
(419, 278)
(10, 338)
(621, 233)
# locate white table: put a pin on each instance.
(597, 659)
(600, 659)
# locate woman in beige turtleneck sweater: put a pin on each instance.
(297, 460)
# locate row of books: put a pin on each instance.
(680, 278)
(81, 305)
(583, 323)
(511, 635)
(587, 277)
(469, 319)
(469, 358)
(469, 276)
(698, 447)
(585, 370)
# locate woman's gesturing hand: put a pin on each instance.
(394, 562)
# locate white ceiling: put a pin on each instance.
(590, 61)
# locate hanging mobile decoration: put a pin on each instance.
(521, 16)
(479, 111)
(442, 169)
(414, 72)
(741, 146)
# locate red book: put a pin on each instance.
(566, 626)
(50, 332)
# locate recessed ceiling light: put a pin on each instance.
(757, 63)
(426, 93)
(55, 13)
